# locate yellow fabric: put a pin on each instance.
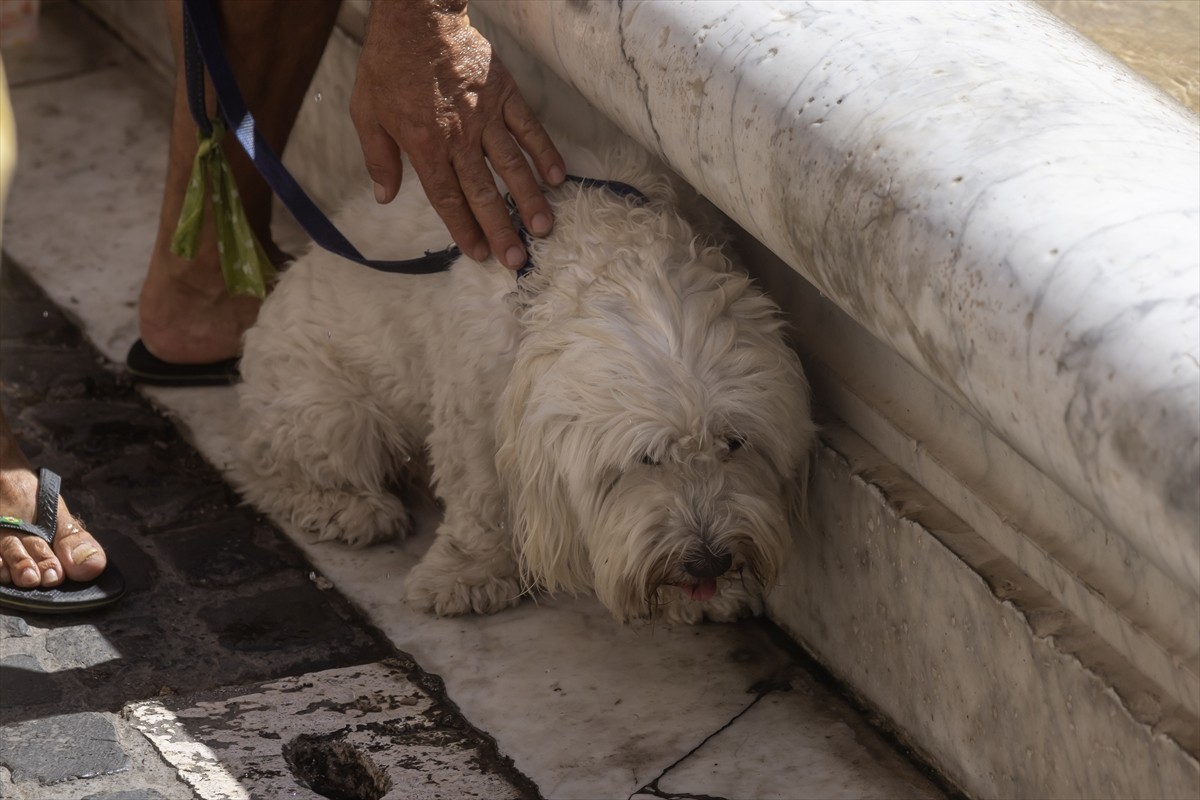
(8, 141)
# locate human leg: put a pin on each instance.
(185, 313)
(26, 560)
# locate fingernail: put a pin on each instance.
(83, 552)
(540, 224)
(557, 175)
(480, 254)
(29, 577)
(515, 257)
(380, 194)
(50, 576)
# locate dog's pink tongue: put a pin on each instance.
(701, 591)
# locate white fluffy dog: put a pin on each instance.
(625, 418)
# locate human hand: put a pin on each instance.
(429, 84)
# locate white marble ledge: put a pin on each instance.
(1005, 205)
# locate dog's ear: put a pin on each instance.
(545, 532)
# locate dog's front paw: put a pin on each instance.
(450, 594)
(461, 576)
(358, 519)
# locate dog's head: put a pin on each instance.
(655, 432)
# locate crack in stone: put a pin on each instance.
(652, 788)
(643, 87)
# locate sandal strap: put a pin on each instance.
(45, 524)
(18, 524)
(47, 503)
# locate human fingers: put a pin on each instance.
(441, 184)
(532, 137)
(489, 209)
(381, 155)
(29, 561)
(509, 162)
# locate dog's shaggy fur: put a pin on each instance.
(627, 418)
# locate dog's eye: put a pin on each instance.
(650, 461)
(734, 443)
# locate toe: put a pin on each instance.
(80, 554)
(51, 571)
(26, 560)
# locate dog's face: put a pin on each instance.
(655, 436)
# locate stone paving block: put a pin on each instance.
(92, 427)
(143, 776)
(281, 619)
(370, 732)
(157, 509)
(30, 316)
(151, 472)
(25, 682)
(79, 647)
(40, 319)
(63, 748)
(224, 552)
(47, 373)
(14, 627)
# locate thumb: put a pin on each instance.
(381, 155)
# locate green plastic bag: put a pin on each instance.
(244, 263)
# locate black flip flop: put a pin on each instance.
(145, 367)
(69, 596)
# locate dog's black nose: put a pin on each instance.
(706, 563)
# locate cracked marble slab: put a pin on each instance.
(831, 757)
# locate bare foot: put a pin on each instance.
(26, 560)
(184, 321)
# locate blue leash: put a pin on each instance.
(202, 39)
(202, 49)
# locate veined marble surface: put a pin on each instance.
(996, 198)
(975, 661)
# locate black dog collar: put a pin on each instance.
(616, 187)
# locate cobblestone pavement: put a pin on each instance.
(223, 615)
